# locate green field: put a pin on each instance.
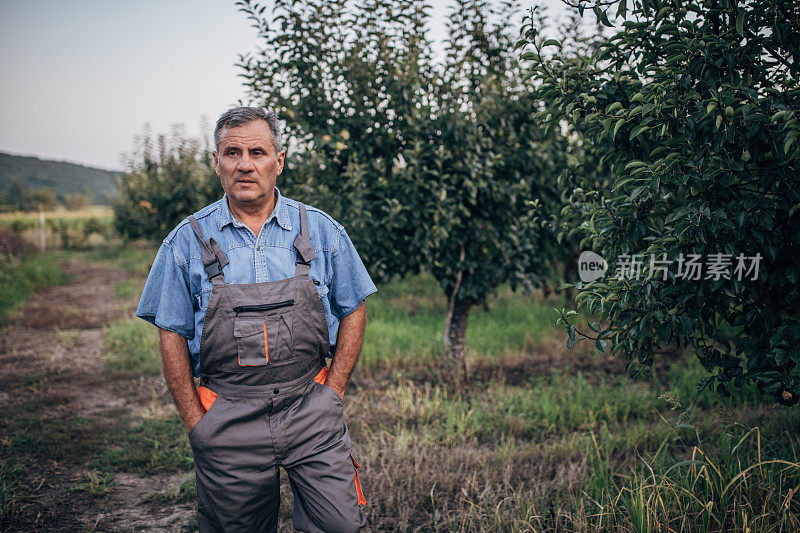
(544, 439)
(64, 229)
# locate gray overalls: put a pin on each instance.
(262, 364)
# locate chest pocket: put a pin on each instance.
(264, 333)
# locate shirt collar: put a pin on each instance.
(280, 213)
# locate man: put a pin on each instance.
(250, 294)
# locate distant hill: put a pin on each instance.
(64, 178)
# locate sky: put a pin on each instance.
(82, 77)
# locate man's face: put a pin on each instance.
(246, 163)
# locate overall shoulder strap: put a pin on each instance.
(302, 243)
(214, 259)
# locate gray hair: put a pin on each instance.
(238, 116)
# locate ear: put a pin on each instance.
(280, 156)
(216, 161)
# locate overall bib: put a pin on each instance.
(262, 366)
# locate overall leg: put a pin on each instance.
(238, 487)
(321, 471)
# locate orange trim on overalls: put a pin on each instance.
(356, 466)
(266, 346)
(322, 376)
(207, 397)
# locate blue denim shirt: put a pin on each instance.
(177, 290)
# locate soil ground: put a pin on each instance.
(53, 375)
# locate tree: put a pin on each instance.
(76, 202)
(16, 195)
(435, 166)
(43, 198)
(497, 169)
(692, 110)
(168, 178)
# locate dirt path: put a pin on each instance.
(52, 370)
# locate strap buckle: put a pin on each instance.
(300, 260)
(214, 269)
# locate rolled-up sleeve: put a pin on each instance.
(166, 300)
(350, 282)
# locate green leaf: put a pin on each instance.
(637, 192)
(551, 42)
(617, 126)
(604, 19)
(779, 115)
(635, 164)
(638, 130)
(622, 9)
(664, 332)
(740, 23)
(788, 144)
(622, 182)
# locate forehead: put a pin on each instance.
(251, 134)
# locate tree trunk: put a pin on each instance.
(455, 333)
(455, 329)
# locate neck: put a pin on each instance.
(252, 214)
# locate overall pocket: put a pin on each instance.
(263, 333)
(211, 410)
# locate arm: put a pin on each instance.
(348, 348)
(178, 375)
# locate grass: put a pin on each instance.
(19, 278)
(91, 226)
(406, 320)
(613, 457)
(134, 256)
(98, 484)
(724, 485)
(14, 492)
(128, 289)
(132, 346)
(44, 437)
(149, 447)
(185, 492)
(61, 212)
(548, 439)
(569, 445)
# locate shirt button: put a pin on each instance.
(258, 248)
(276, 391)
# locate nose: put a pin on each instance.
(245, 164)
